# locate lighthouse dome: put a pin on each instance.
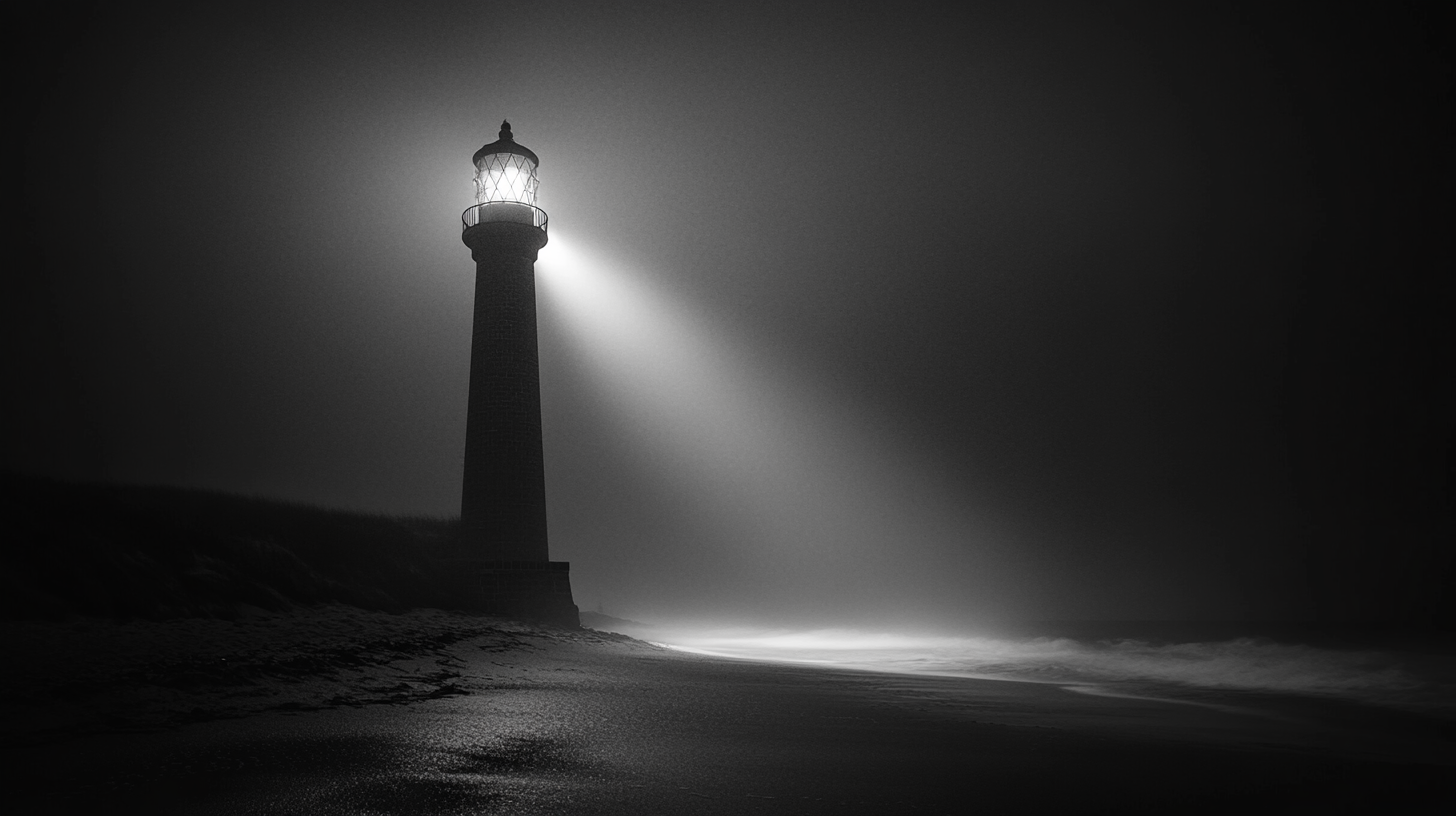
(505, 144)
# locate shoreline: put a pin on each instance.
(440, 713)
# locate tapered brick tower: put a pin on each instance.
(503, 557)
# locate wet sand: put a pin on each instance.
(515, 720)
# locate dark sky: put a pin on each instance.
(852, 312)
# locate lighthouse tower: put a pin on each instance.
(503, 553)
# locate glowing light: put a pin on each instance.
(505, 185)
(506, 177)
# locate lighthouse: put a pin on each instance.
(503, 558)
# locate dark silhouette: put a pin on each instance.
(503, 560)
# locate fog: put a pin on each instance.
(950, 315)
(792, 504)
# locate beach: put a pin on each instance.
(337, 711)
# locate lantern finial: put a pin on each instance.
(505, 132)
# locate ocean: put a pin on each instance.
(1182, 662)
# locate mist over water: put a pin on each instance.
(827, 544)
(1420, 680)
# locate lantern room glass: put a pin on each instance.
(506, 177)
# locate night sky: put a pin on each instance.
(851, 312)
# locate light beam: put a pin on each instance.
(825, 514)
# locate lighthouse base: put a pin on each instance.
(526, 590)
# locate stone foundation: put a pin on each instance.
(526, 590)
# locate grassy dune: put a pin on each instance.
(120, 551)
